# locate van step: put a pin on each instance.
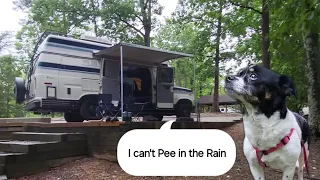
(48, 137)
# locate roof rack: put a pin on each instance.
(45, 34)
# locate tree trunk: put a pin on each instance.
(313, 73)
(94, 18)
(65, 21)
(265, 34)
(147, 36)
(200, 89)
(215, 105)
(147, 28)
(146, 20)
(8, 102)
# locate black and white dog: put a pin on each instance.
(275, 137)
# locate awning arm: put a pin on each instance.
(121, 69)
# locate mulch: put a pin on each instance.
(96, 169)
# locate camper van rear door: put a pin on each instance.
(165, 82)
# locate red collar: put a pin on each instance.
(283, 142)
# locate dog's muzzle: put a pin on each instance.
(230, 78)
(229, 84)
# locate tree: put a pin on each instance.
(215, 105)
(210, 18)
(4, 40)
(60, 15)
(130, 19)
(179, 37)
(303, 18)
(8, 71)
(94, 15)
(214, 19)
(23, 4)
(265, 34)
(311, 44)
(263, 29)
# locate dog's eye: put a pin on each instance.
(253, 76)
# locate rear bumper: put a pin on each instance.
(56, 105)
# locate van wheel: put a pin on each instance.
(73, 117)
(88, 109)
(183, 109)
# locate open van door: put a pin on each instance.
(110, 80)
(165, 83)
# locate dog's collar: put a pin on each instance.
(282, 142)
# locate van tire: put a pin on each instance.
(183, 109)
(86, 106)
(73, 117)
(19, 90)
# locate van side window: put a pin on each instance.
(35, 63)
(165, 75)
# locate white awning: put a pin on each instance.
(133, 53)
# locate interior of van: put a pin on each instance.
(137, 83)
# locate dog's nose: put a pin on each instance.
(230, 78)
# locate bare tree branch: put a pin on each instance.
(136, 15)
(129, 25)
(246, 7)
(146, 5)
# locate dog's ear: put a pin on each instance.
(287, 86)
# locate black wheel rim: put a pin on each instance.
(92, 110)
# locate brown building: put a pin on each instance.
(206, 102)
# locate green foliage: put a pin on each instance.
(5, 40)
(289, 24)
(8, 71)
(188, 38)
(130, 20)
(60, 15)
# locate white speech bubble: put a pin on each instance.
(161, 157)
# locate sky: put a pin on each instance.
(10, 19)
